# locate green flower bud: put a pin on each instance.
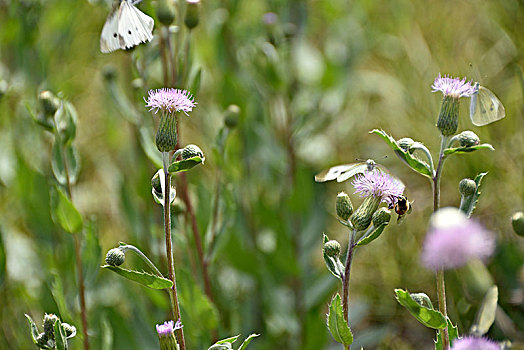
(361, 218)
(332, 249)
(231, 116)
(41, 340)
(49, 325)
(517, 221)
(422, 299)
(343, 206)
(70, 330)
(191, 18)
(50, 103)
(166, 136)
(381, 216)
(115, 257)
(165, 12)
(405, 144)
(448, 117)
(191, 151)
(467, 187)
(468, 139)
(156, 184)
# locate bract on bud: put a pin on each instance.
(517, 221)
(49, 324)
(381, 216)
(343, 206)
(468, 139)
(405, 144)
(467, 187)
(332, 249)
(361, 218)
(447, 121)
(191, 151)
(115, 257)
(191, 18)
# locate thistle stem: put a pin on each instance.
(345, 281)
(441, 286)
(169, 249)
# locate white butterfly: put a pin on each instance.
(485, 107)
(345, 171)
(125, 27)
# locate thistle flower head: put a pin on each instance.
(168, 328)
(453, 87)
(453, 240)
(378, 184)
(472, 343)
(170, 101)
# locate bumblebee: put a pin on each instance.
(402, 207)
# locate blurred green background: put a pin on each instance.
(310, 83)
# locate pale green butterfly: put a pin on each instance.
(485, 107)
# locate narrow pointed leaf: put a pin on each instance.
(486, 314)
(428, 317)
(469, 203)
(374, 235)
(185, 165)
(452, 333)
(459, 150)
(32, 327)
(64, 212)
(229, 340)
(414, 163)
(60, 336)
(144, 278)
(336, 324)
(247, 341)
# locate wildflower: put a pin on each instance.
(377, 187)
(166, 334)
(169, 102)
(472, 343)
(453, 240)
(452, 89)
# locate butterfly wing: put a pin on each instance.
(134, 26)
(357, 168)
(109, 40)
(485, 107)
(333, 172)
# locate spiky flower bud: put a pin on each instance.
(517, 221)
(49, 325)
(405, 144)
(332, 249)
(166, 136)
(231, 117)
(50, 103)
(468, 139)
(191, 18)
(343, 206)
(70, 330)
(115, 257)
(422, 299)
(447, 121)
(381, 216)
(467, 187)
(191, 151)
(361, 218)
(165, 12)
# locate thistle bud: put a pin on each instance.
(49, 325)
(332, 249)
(115, 257)
(166, 136)
(448, 117)
(69, 330)
(468, 139)
(156, 184)
(361, 218)
(405, 144)
(467, 187)
(191, 18)
(41, 340)
(422, 299)
(517, 221)
(191, 151)
(231, 116)
(50, 103)
(343, 206)
(381, 216)
(165, 12)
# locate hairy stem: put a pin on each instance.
(345, 281)
(169, 249)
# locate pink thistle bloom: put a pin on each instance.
(170, 101)
(453, 240)
(472, 343)
(378, 184)
(168, 328)
(453, 87)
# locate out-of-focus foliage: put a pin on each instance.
(310, 82)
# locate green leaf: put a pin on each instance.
(195, 82)
(40, 118)
(452, 333)
(336, 324)
(64, 213)
(428, 317)
(414, 163)
(374, 235)
(229, 340)
(144, 278)
(65, 122)
(60, 336)
(185, 165)
(486, 314)
(32, 327)
(224, 344)
(459, 150)
(58, 153)
(468, 204)
(247, 341)
(57, 290)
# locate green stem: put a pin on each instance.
(345, 281)
(169, 249)
(441, 286)
(143, 256)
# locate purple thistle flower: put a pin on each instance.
(472, 343)
(453, 87)
(170, 101)
(378, 184)
(168, 328)
(453, 240)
